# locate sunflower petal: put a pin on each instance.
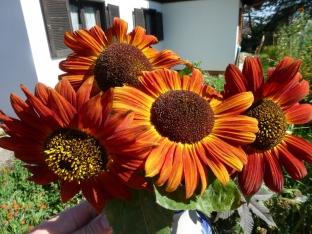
(273, 175)
(22, 146)
(190, 171)
(139, 39)
(130, 177)
(61, 107)
(76, 80)
(177, 166)
(24, 130)
(299, 114)
(93, 192)
(235, 81)
(293, 166)
(293, 96)
(250, 179)
(239, 129)
(120, 28)
(65, 89)
(99, 35)
(44, 112)
(90, 114)
(42, 93)
(41, 174)
(114, 187)
(27, 114)
(253, 70)
(69, 189)
(203, 173)
(299, 147)
(83, 93)
(167, 59)
(156, 158)
(166, 169)
(83, 41)
(281, 77)
(235, 104)
(197, 81)
(219, 170)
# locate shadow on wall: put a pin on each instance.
(16, 62)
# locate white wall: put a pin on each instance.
(203, 31)
(16, 61)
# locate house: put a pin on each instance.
(31, 39)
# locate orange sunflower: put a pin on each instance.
(192, 125)
(114, 58)
(66, 136)
(276, 104)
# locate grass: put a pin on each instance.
(24, 204)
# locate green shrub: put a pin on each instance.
(24, 204)
(295, 40)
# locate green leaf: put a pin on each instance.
(140, 215)
(216, 197)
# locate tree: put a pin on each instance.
(265, 17)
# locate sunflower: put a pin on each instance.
(114, 58)
(275, 106)
(66, 136)
(192, 125)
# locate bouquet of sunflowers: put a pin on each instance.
(140, 141)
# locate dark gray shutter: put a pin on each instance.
(139, 17)
(57, 22)
(113, 11)
(159, 26)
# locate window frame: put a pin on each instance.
(156, 22)
(57, 20)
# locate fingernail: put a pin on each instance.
(104, 222)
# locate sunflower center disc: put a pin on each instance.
(271, 122)
(182, 116)
(119, 64)
(74, 155)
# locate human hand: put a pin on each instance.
(79, 219)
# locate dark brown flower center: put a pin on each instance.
(119, 64)
(271, 122)
(74, 155)
(182, 116)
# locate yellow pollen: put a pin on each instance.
(271, 122)
(74, 155)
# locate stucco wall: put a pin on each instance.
(204, 31)
(16, 61)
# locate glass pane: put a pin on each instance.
(75, 18)
(90, 17)
(148, 23)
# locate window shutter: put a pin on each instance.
(57, 22)
(139, 17)
(113, 11)
(159, 26)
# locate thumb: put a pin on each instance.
(97, 225)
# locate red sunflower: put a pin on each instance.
(275, 106)
(193, 127)
(113, 57)
(66, 136)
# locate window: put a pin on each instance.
(70, 15)
(151, 20)
(112, 12)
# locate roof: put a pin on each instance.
(245, 2)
